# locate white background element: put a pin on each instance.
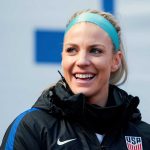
(22, 80)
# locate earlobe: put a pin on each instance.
(114, 68)
(116, 61)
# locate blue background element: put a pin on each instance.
(48, 44)
(108, 6)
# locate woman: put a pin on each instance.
(85, 110)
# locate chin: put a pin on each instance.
(84, 91)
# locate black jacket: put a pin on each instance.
(60, 120)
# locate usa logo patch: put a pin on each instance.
(134, 143)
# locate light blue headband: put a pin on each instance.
(99, 21)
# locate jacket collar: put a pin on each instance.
(61, 102)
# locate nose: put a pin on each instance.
(83, 59)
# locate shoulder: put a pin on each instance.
(29, 119)
(144, 129)
(26, 130)
(36, 117)
(21, 119)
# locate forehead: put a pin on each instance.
(85, 31)
(86, 26)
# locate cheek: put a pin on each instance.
(104, 66)
(66, 65)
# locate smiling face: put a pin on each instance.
(88, 60)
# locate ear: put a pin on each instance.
(117, 57)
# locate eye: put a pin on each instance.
(71, 50)
(96, 51)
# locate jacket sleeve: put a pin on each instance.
(22, 134)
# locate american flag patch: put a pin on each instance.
(134, 143)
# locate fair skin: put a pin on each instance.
(88, 61)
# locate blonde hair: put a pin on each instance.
(120, 76)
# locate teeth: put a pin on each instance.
(83, 76)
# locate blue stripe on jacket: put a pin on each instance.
(11, 136)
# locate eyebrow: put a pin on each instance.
(95, 45)
(91, 45)
(70, 44)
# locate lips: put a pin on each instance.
(84, 76)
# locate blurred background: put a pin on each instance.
(31, 35)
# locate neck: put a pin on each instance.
(100, 98)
